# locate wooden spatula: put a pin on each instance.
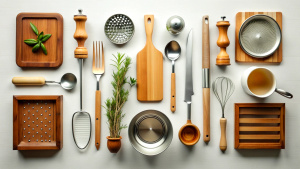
(149, 68)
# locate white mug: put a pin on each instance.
(260, 82)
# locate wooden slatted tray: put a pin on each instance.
(240, 55)
(259, 125)
(38, 123)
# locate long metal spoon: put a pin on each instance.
(68, 81)
(172, 52)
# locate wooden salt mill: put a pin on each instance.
(223, 42)
(80, 35)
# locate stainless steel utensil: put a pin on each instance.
(189, 134)
(150, 132)
(68, 81)
(119, 29)
(98, 70)
(172, 52)
(81, 120)
(260, 36)
(223, 88)
(175, 24)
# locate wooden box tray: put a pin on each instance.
(259, 126)
(49, 23)
(37, 122)
(240, 55)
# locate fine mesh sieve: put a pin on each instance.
(260, 36)
(119, 29)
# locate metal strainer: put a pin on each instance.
(260, 36)
(119, 29)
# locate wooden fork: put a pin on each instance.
(98, 70)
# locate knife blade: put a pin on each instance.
(189, 69)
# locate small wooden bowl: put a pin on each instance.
(189, 134)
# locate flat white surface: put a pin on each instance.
(177, 155)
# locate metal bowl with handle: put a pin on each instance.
(260, 36)
(150, 132)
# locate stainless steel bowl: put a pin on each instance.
(260, 36)
(150, 132)
(119, 29)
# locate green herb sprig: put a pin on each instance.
(114, 104)
(38, 43)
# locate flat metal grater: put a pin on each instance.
(37, 122)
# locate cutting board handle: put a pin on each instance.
(149, 24)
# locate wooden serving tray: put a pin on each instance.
(259, 125)
(38, 122)
(49, 23)
(240, 55)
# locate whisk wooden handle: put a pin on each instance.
(223, 142)
(26, 81)
(80, 35)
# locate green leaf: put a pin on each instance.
(44, 49)
(31, 42)
(36, 47)
(45, 37)
(33, 27)
(41, 35)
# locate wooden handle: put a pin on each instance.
(173, 93)
(223, 142)
(206, 114)
(97, 118)
(223, 42)
(26, 81)
(205, 42)
(80, 35)
(149, 24)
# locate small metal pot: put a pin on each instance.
(150, 132)
(260, 36)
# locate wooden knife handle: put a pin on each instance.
(223, 142)
(173, 93)
(205, 42)
(206, 114)
(97, 118)
(149, 24)
(26, 81)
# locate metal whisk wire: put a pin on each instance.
(223, 88)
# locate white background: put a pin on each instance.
(177, 155)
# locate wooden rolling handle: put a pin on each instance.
(80, 35)
(97, 118)
(223, 142)
(26, 81)
(206, 89)
(173, 93)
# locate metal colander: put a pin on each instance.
(119, 29)
(260, 36)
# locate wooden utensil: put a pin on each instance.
(223, 42)
(206, 78)
(37, 122)
(50, 23)
(149, 67)
(98, 70)
(240, 55)
(259, 126)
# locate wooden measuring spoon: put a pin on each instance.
(189, 134)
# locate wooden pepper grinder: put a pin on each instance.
(223, 42)
(80, 35)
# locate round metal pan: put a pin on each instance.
(150, 132)
(260, 36)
